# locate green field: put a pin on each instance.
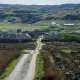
(24, 27)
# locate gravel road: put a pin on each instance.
(20, 68)
(32, 66)
(25, 69)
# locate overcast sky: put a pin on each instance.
(39, 2)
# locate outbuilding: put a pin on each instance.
(10, 37)
(51, 34)
(70, 25)
(53, 24)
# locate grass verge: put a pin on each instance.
(10, 67)
(39, 74)
(51, 58)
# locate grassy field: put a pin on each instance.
(68, 50)
(24, 27)
(40, 26)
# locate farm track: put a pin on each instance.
(20, 69)
(25, 69)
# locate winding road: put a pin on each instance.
(25, 69)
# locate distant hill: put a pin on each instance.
(41, 7)
(31, 14)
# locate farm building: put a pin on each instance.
(10, 37)
(70, 25)
(51, 34)
(53, 24)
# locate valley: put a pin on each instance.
(40, 42)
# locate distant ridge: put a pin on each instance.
(41, 7)
(31, 14)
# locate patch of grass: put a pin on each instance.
(10, 68)
(60, 56)
(78, 31)
(39, 74)
(24, 27)
(34, 43)
(67, 50)
(51, 59)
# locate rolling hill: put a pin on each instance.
(31, 14)
(41, 7)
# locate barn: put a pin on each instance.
(51, 34)
(14, 37)
(69, 25)
(53, 24)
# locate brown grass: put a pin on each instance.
(8, 52)
(51, 71)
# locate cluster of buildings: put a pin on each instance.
(21, 37)
(54, 34)
(54, 24)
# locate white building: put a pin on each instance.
(53, 24)
(68, 24)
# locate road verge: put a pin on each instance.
(10, 67)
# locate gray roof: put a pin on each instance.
(7, 35)
(69, 24)
(51, 33)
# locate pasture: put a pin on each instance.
(24, 27)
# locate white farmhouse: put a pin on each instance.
(53, 24)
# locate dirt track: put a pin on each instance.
(25, 69)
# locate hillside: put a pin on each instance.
(41, 7)
(18, 15)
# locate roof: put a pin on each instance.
(6, 35)
(53, 23)
(51, 33)
(69, 24)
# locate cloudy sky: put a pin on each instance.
(39, 2)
